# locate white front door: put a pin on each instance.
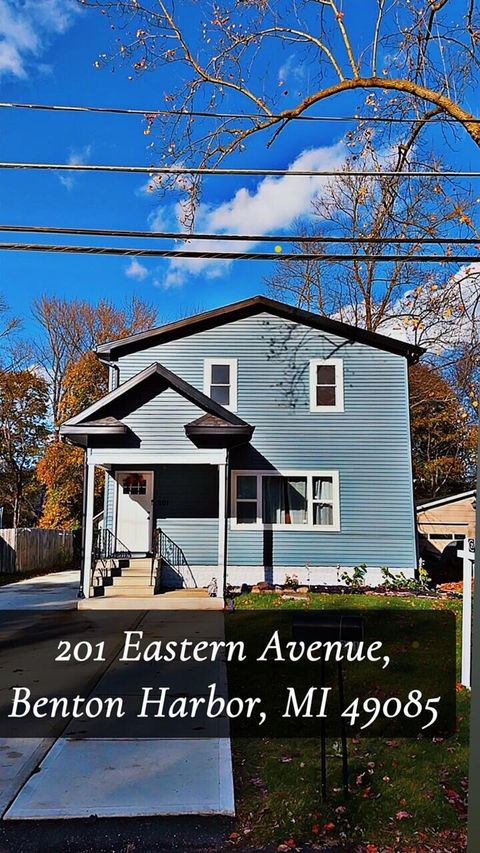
(134, 510)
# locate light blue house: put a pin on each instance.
(246, 444)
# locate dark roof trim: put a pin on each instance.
(451, 499)
(211, 431)
(248, 308)
(166, 379)
(93, 429)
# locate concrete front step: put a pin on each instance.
(135, 579)
(183, 593)
(128, 591)
(155, 602)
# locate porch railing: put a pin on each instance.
(106, 550)
(165, 550)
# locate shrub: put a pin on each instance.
(357, 579)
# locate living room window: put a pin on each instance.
(289, 500)
(326, 385)
(220, 381)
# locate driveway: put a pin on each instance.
(57, 591)
(75, 777)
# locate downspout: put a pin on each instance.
(414, 506)
(227, 506)
(225, 523)
(115, 375)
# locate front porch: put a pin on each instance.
(163, 530)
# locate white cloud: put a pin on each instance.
(439, 316)
(291, 69)
(162, 218)
(26, 30)
(272, 206)
(136, 270)
(75, 158)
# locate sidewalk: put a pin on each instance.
(75, 777)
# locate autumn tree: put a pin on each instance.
(418, 59)
(61, 468)
(434, 305)
(23, 434)
(9, 324)
(443, 436)
(69, 329)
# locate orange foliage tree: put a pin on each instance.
(70, 332)
(23, 433)
(444, 435)
(61, 469)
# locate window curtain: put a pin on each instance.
(284, 500)
(322, 491)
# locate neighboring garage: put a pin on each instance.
(442, 525)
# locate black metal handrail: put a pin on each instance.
(106, 549)
(166, 550)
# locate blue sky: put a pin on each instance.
(47, 53)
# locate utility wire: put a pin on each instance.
(210, 114)
(245, 238)
(203, 170)
(231, 256)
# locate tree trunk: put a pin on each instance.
(17, 506)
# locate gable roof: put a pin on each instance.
(249, 308)
(150, 381)
(449, 500)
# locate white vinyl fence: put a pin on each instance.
(28, 549)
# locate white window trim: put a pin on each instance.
(337, 363)
(310, 526)
(207, 378)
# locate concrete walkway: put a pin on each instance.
(73, 777)
(57, 591)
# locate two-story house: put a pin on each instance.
(248, 443)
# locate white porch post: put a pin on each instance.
(221, 526)
(87, 559)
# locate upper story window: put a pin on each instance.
(220, 381)
(326, 385)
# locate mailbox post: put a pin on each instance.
(330, 627)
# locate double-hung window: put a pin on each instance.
(290, 500)
(220, 381)
(326, 385)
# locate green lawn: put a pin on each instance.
(406, 795)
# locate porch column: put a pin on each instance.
(87, 560)
(221, 527)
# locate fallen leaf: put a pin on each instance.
(402, 815)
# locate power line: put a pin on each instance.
(211, 114)
(203, 170)
(245, 238)
(231, 256)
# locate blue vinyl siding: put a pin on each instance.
(187, 509)
(368, 443)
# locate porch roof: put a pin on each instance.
(104, 416)
(212, 431)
